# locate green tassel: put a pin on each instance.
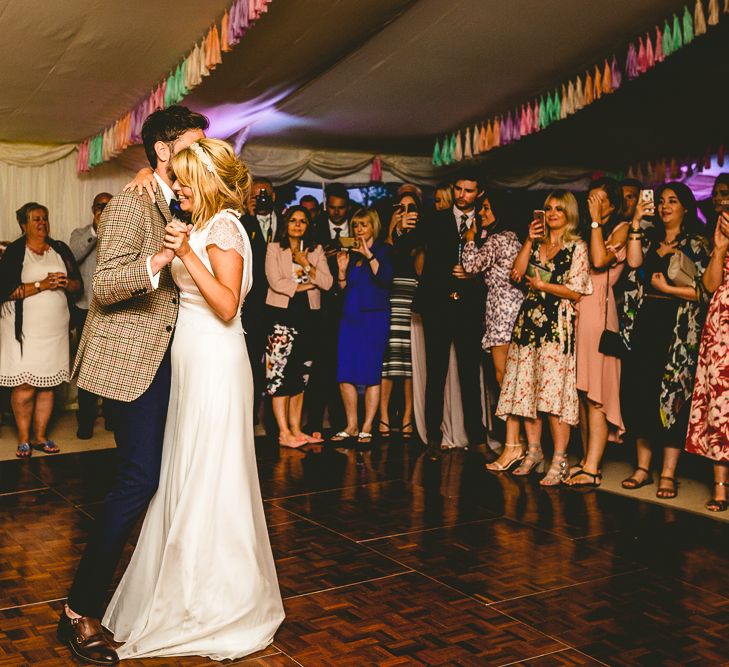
(452, 149)
(667, 40)
(548, 110)
(436, 155)
(556, 107)
(688, 27)
(96, 151)
(445, 153)
(169, 91)
(542, 114)
(180, 76)
(677, 37)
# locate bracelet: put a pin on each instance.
(370, 258)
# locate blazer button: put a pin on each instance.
(168, 328)
(174, 299)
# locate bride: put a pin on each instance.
(202, 579)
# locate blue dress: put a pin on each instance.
(365, 323)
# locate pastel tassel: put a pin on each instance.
(529, 120)
(475, 149)
(557, 106)
(699, 19)
(489, 136)
(675, 169)
(563, 104)
(543, 113)
(677, 35)
(607, 82)
(713, 13)
(467, 148)
(660, 171)
(707, 158)
(436, 155)
(456, 153)
(660, 56)
(579, 95)
(726, 6)
(597, 84)
(616, 77)
(483, 145)
(642, 60)
(516, 127)
(570, 98)
(535, 117)
(213, 55)
(720, 151)
(507, 130)
(688, 26)
(497, 132)
(631, 62)
(376, 171)
(667, 40)
(650, 58)
(523, 122)
(587, 94)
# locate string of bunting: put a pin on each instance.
(649, 50)
(204, 57)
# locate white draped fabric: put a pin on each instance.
(47, 174)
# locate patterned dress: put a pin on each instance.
(503, 299)
(708, 432)
(540, 373)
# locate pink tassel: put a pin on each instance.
(616, 78)
(475, 148)
(82, 159)
(642, 60)
(535, 117)
(516, 127)
(467, 148)
(631, 62)
(699, 19)
(649, 55)
(528, 122)
(713, 13)
(659, 46)
(376, 171)
(607, 81)
(522, 122)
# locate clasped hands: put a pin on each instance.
(55, 280)
(176, 241)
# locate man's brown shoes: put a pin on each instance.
(86, 639)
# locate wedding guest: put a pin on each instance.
(364, 275)
(659, 371)
(717, 204)
(297, 272)
(540, 374)
(631, 192)
(494, 260)
(708, 430)
(598, 369)
(311, 204)
(443, 197)
(83, 245)
(398, 361)
(38, 276)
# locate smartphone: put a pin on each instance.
(347, 241)
(539, 216)
(646, 196)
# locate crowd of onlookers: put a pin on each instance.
(609, 314)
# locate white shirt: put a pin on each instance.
(344, 227)
(266, 221)
(169, 195)
(458, 215)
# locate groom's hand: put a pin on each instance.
(176, 238)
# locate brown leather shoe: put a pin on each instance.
(86, 639)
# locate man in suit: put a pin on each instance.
(83, 247)
(323, 388)
(450, 302)
(124, 356)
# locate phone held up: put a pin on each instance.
(347, 242)
(540, 217)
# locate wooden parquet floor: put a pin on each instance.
(385, 559)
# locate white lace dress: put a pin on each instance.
(202, 579)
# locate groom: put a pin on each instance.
(124, 356)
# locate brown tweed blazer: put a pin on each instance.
(130, 324)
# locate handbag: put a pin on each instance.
(538, 271)
(611, 343)
(681, 270)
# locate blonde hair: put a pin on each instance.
(217, 177)
(372, 217)
(447, 194)
(571, 211)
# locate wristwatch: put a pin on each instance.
(37, 285)
(594, 224)
(307, 268)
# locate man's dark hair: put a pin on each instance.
(632, 183)
(264, 180)
(336, 190)
(310, 198)
(167, 125)
(470, 175)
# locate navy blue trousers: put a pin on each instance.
(139, 428)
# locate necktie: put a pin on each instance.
(463, 225)
(269, 233)
(337, 233)
(178, 213)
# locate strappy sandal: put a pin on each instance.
(341, 436)
(596, 480)
(387, 432)
(498, 466)
(716, 505)
(47, 446)
(632, 484)
(558, 471)
(364, 438)
(534, 461)
(406, 435)
(24, 451)
(667, 492)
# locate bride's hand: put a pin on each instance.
(176, 238)
(144, 180)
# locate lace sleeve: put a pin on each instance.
(225, 234)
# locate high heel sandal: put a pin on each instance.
(558, 471)
(534, 461)
(716, 505)
(406, 435)
(498, 466)
(386, 433)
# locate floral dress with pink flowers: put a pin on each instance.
(708, 432)
(540, 374)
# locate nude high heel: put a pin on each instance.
(498, 466)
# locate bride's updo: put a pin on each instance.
(215, 174)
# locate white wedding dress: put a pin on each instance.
(202, 579)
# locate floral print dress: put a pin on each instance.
(708, 431)
(540, 373)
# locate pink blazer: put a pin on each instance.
(279, 272)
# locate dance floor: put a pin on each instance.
(385, 559)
